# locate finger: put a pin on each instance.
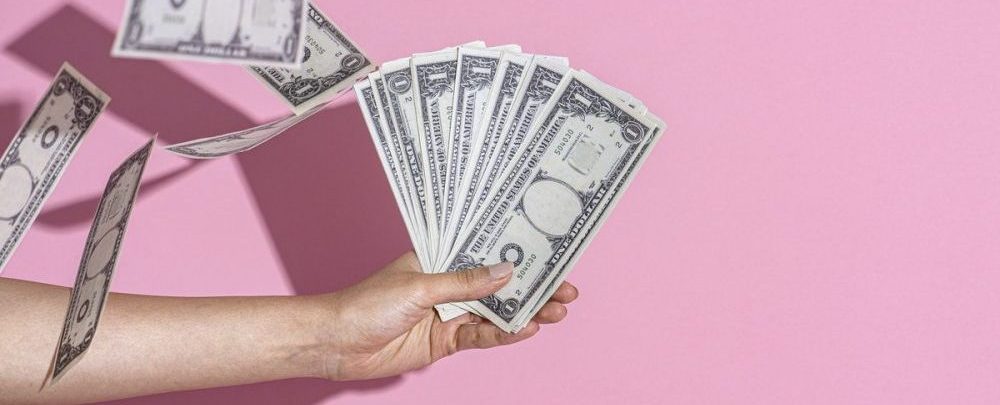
(566, 293)
(551, 312)
(466, 285)
(487, 335)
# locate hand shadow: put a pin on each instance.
(319, 187)
(82, 211)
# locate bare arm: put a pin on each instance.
(145, 344)
(149, 344)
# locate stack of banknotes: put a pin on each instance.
(497, 155)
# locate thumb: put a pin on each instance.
(468, 285)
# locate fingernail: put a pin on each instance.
(501, 270)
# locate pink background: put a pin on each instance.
(819, 225)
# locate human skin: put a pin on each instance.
(383, 326)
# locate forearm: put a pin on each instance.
(149, 344)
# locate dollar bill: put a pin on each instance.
(434, 74)
(607, 204)
(260, 32)
(574, 251)
(239, 141)
(37, 156)
(582, 147)
(332, 62)
(100, 254)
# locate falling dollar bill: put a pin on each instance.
(97, 266)
(260, 32)
(239, 141)
(38, 154)
(332, 63)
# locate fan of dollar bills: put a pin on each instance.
(497, 155)
(492, 154)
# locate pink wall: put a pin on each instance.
(820, 224)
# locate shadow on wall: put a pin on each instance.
(10, 121)
(326, 202)
(319, 186)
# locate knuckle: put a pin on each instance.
(466, 278)
(424, 290)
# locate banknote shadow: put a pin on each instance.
(82, 211)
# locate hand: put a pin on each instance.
(386, 325)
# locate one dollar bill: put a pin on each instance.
(38, 154)
(582, 148)
(239, 141)
(332, 63)
(261, 32)
(100, 254)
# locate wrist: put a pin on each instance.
(315, 349)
